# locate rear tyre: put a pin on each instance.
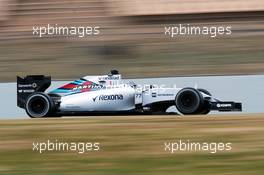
(189, 101)
(39, 105)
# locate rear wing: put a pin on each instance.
(30, 84)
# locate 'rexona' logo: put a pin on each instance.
(109, 97)
(95, 98)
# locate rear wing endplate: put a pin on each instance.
(30, 84)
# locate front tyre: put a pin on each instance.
(39, 105)
(189, 101)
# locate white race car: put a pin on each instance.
(109, 94)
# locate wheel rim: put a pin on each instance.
(38, 106)
(188, 101)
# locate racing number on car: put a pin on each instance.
(138, 95)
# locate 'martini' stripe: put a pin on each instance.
(61, 91)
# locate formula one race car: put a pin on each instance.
(109, 94)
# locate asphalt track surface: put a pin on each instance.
(134, 145)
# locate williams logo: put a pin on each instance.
(108, 97)
(225, 105)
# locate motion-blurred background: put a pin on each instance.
(131, 38)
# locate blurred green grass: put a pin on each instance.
(133, 145)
